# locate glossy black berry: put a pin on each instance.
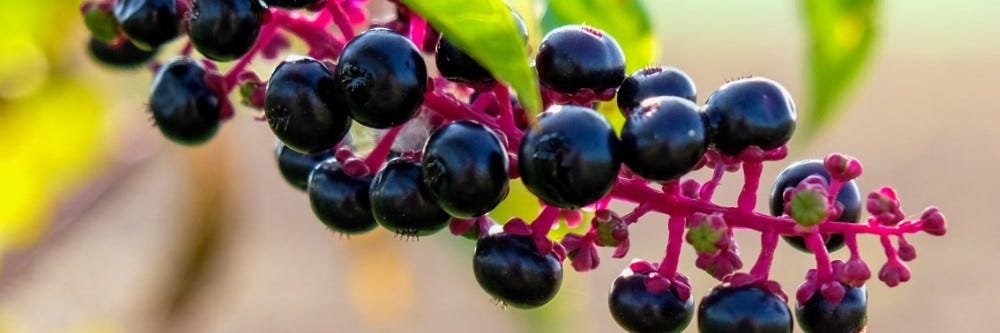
(457, 66)
(401, 204)
(575, 57)
(750, 112)
(294, 4)
(339, 200)
(510, 268)
(122, 54)
(185, 109)
(382, 78)
(570, 157)
(148, 23)
(224, 30)
(848, 198)
(652, 82)
(302, 108)
(638, 310)
(817, 315)
(295, 166)
(465, 168)
(664, 138)
(743, 309)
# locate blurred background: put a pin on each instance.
(107, 227)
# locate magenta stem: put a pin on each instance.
(450, 108)
(506, 109)
(851, 239)
(824, 270)
(267, 32)
(322, 43)
(708, 189)
(637, 212)
(418, 28)
(188, 49)
(768, 243)
(637, 192)
(675, 236)
(751, 180)
(378, 154)
(545, 220)
(890, 251)
(340, 19)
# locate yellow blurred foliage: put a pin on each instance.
(52, 126)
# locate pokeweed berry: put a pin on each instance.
(510, 268)
(820, 316)
(465, 168)
(148, 23)
(401, 203)
(121, 54)
(664, 138)
(339, 200)
(749, 308)
(570, 157)
(577, 57)
(301, 106)
(382, 78)
(295, 166)
(750, 112)
(848, 200)
(457, 66)
(183, 105)
(653, 82)
(637, 309)
(293, 4)
(224, 30)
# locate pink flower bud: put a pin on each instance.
(933, 222)
(842, 167)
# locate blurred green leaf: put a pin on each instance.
(841, 35)
(625, 20)
(487, 32)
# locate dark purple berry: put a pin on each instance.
(638, 310)
(382, 78)
(750, 112)
(185, 109)
(401, 204)
(302, 108)
(465, 168)
(652, 82)
(339, 200)
(664, 138)
(149, 23)
(224, 30)
(295, 166)
(570, 157)
(294, 4)
(122, 54)
(743, 309)
(848, 199)
(576, 57)
(510, 268)
(817, 315)
(457, 66)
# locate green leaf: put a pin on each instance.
(487, 32)
(625, 20)
(840, 39)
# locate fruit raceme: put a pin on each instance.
(441, 161)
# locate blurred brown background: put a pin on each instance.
(210, 239)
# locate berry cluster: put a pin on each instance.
(477, 138)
